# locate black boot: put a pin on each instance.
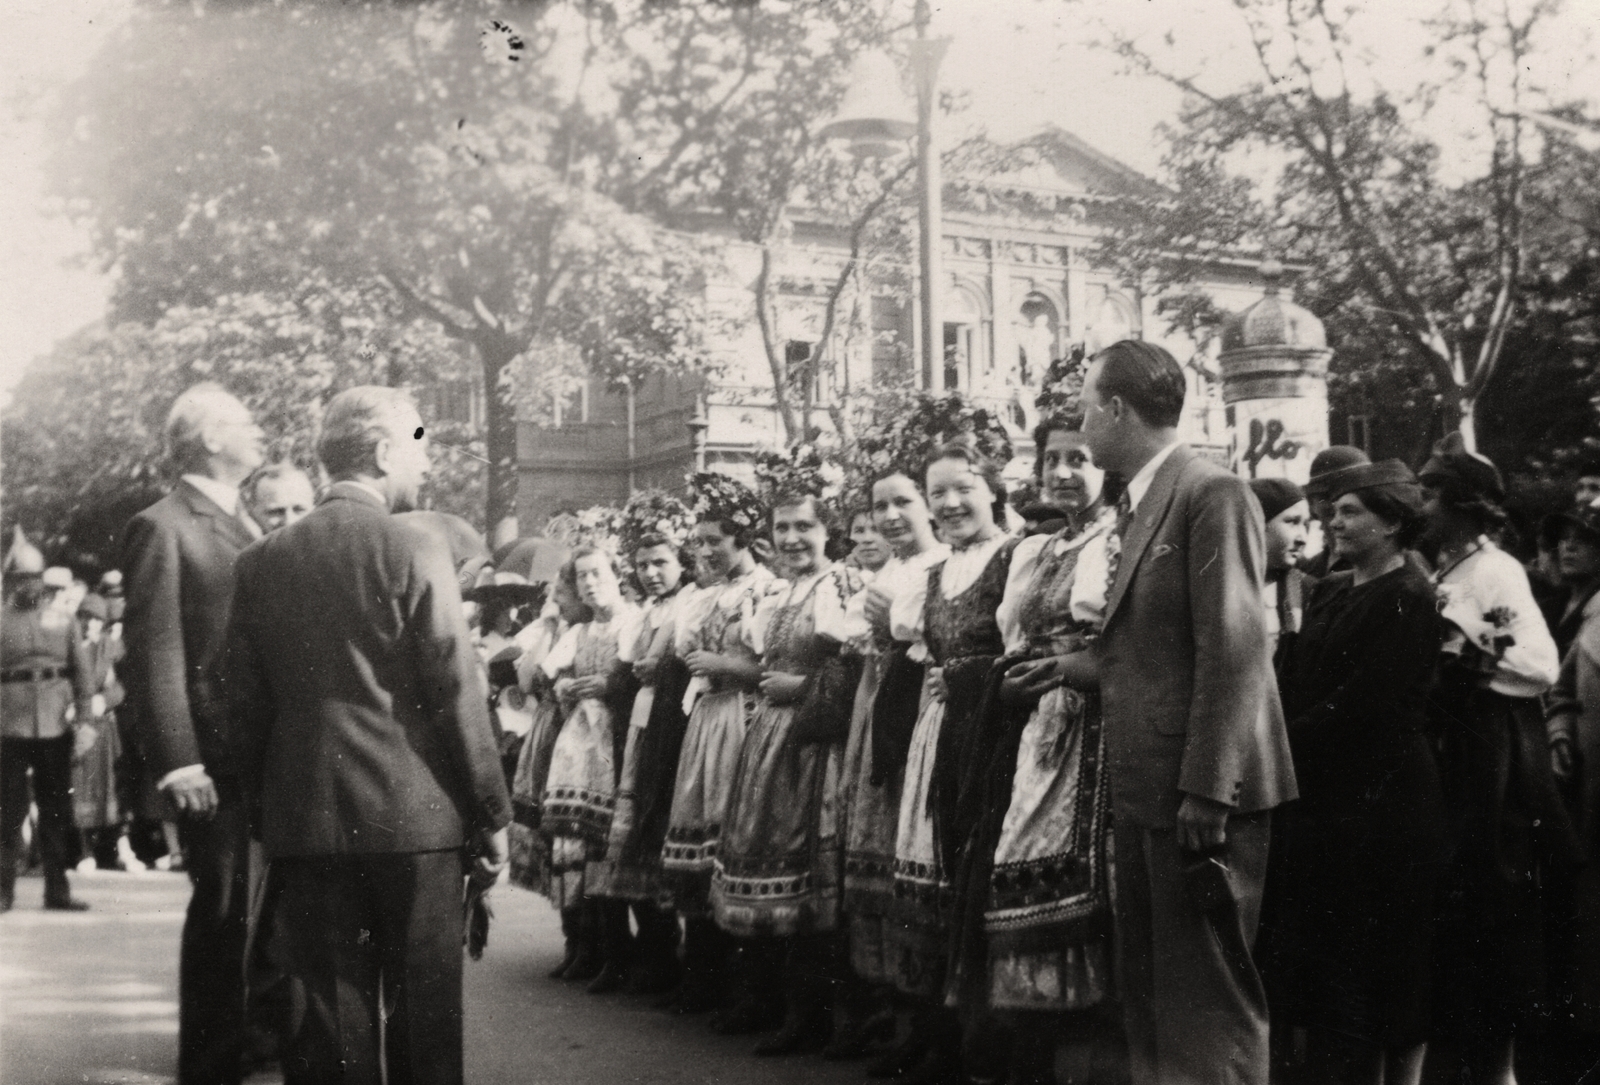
(656, 968)
(941, 1061)
(1033, 1050)
(706, 952)
(8, 876)
(757, 968)
(861, 1018)
(616, 947)
(572, 932)
(899, 1059)
(58, 893)
(589, 961)
(805, 999)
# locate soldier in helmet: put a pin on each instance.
(44, 674)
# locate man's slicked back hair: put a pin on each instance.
(1146, 378)
(355, 421)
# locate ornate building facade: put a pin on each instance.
(1019, 287)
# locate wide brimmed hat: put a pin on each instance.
(1329, 460)
(93, 606)
(509, 589)
(1366, 476)
(534, 559)
(1585, 519)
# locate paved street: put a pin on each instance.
(92, 998)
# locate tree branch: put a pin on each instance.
(418, 304)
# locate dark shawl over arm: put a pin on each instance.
(894, 713)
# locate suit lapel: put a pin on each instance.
(227, 528)
(1146, 519)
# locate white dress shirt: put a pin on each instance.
(1139, 484)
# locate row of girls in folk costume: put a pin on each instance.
(819, 768)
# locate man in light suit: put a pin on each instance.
(1194, 732)
(367, 746)
(177, 557)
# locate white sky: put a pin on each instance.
(1023, 62)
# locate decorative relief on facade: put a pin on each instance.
(1027, 252)
(969, 248)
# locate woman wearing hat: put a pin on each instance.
(1356, 861)
(1507, 827)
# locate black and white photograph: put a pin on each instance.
(799, 542)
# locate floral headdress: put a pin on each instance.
(1061, 392)
(598, 525)
(653, 512)
(904, 441)
(803, 469)
(716, 496)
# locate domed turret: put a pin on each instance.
(1274, 365)
(1274, 321)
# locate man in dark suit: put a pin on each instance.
(1194, 731)
(367, 743)
(177, 556)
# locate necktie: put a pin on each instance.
(1114, 543)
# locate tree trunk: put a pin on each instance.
(496, 351)
(777, 361)
(1468, 424)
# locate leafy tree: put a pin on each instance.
(81, 437)
(1423, 275)
(522, 178)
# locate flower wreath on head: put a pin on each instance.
(904, 444)
(803, 469)
(716, 496)
(1061, 391)
(597, 525)
(653, 512)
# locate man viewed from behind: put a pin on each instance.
(178, 557)
(1194, 731)
(350, 670)
(279, 495)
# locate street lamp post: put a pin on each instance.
(871, 115)
(698, 424)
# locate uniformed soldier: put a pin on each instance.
(45, 673)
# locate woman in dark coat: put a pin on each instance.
(1354, 879)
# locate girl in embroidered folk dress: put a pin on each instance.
(963, 640)
(581, 793)
(1033, 943)
(653, 532)
(530, 847)
(1507, 826)
(872, 772)
(719, 699)
(778, 871)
